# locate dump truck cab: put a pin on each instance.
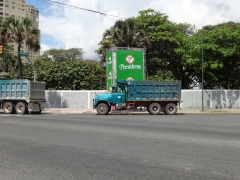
(104, 101)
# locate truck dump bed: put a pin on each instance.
(22, 89)
(152, 90)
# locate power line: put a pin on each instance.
(71, 6)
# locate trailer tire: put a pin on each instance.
(154, 109)
(9, 108)
(102, 109)
(171, 109)
(21, 108)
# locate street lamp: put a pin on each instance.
(202, 70)
(202, 67)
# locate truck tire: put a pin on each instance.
(21, 108)
(102, 109)
(170, 109)
(9, 108)
(154, 109)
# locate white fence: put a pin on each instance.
(191, 98)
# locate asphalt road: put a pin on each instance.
(122, 147)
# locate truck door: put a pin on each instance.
(119, 96)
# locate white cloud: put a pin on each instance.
(83, 29)
(44, 47)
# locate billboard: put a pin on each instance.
(129, 65)
(125, 64)
(109, 70)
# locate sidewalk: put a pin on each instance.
(180, 111)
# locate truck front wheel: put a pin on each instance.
(154, 109)
(170, 109)
(102, 109)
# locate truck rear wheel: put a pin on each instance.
(154, 109)
(170, 109)
(102, 109)
(9, 108)
(21, 108)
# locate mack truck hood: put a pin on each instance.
(104, 96)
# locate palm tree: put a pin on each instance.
(8, 63)
(32, 39)
(5, 35)
(20, 31)
(123, 34)
(128, 34)
(7, 60)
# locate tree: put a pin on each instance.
(67, 75)
(5, 35)
(164, 59)
(32, 40)
(123, 34)
(8, 62)
(221, 55)
(61, 55)
(21, 30)
(97, 79)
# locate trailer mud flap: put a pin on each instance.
(36, 106)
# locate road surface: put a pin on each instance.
(94, 147)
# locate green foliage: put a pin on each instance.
(61, 55)
(221, 55)
(8, 62)
(167, 38)
(125, 33)
(67, 75)
(162, 76)
(174, 51)
(19, 30)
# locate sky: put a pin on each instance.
(65, 27)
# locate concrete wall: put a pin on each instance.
(191, 99)
(71, 99)
(212, 99)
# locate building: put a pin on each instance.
(20, 9)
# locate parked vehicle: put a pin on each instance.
(21, 96)
(151, 96)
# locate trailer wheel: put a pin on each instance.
(9, 108)
(154, 109)
(102, 109)
(171, 109)
(21, 108)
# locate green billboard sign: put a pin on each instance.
(125, 64)
(109, 70)
(130, 65)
